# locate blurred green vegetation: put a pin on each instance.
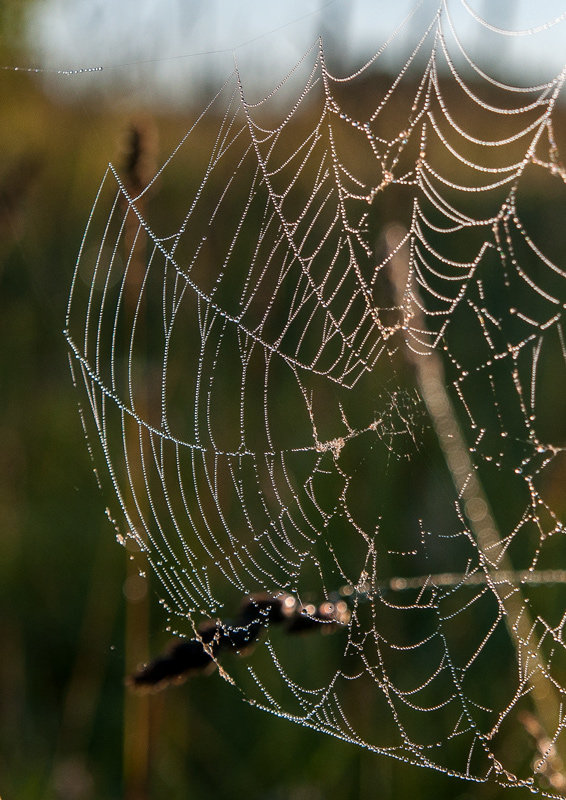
(61, 572)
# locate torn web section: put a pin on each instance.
(508, 273)
(464, 188)
(513, 302)
(518, 452)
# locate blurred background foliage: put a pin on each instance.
(63, 579)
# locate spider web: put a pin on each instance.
(334, 370)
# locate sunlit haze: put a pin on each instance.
(168, 50)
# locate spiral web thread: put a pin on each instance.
(338, 376)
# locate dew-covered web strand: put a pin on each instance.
(76, 71)
(352, 306)
(545, 26)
